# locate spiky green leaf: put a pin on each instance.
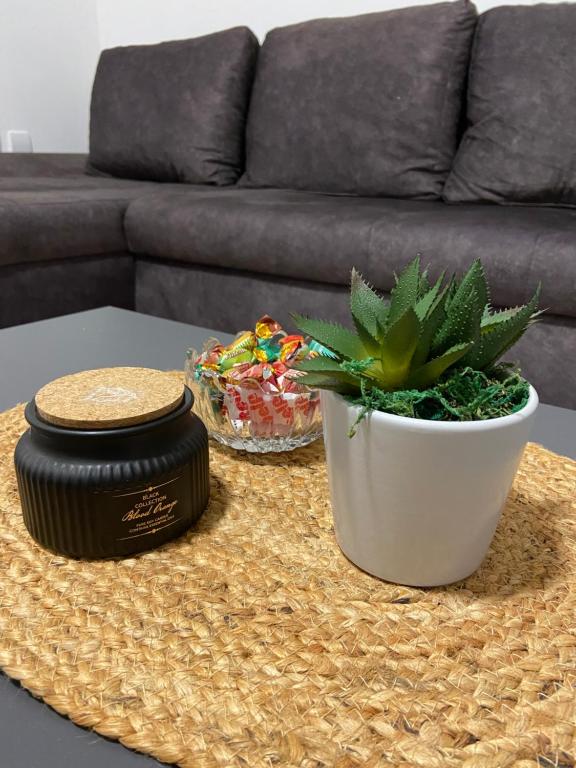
(319, 363)
(334, 336)
(398, 347)
(452, 288)
(493, 319)
(492, 345)
(325, 365)
(462, 323)
(369, 310)
(431, 371)
(430, 325)
(424, 283)
(474, 280)
(425, 304)
(405, 292)
(325, 381)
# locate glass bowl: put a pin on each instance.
(250, 419)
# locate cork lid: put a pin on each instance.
(109, 397)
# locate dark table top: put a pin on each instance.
(31, 734)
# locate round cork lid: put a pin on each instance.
(109, 397)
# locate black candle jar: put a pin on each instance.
(103, 493)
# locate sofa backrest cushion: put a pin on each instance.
(174, 111)
(520, 144)
(366, 105)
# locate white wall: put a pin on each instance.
(122, 22)
(48, 54)
(148, 21)
(49, 50)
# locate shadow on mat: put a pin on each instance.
(529, 550)
(216, 508)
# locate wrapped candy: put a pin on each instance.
(262, 358)
(251, 384)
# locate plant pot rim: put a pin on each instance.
(427, 425)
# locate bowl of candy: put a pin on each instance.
(247, 392)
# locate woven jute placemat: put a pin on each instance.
(252, 641)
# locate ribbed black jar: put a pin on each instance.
(105, 493)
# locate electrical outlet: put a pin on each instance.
(18, 141)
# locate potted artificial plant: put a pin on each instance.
(424, 428)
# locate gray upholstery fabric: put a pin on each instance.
(366, 105)
(547, 356)
(230, 300)
(278, 250)
(284, 232)
(320, 237)
(227, 299)
(14, 164)
(174, 111)
(520, 145)
(74, 186)
(36, 291)
(519, 247)
(53, 218)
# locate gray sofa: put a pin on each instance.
(226, 179)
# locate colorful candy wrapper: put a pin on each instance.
(252, 380)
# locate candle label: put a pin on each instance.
(133, 513)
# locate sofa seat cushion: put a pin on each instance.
(174, 111)
(365, 105)
(53, 218)
(281, 232)
(320, 237)
(56, 164)
(520, 145)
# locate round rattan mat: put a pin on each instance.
(253, 642)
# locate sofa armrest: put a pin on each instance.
(14, 164)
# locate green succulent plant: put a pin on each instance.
(422, 334)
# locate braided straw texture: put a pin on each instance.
(253, 642)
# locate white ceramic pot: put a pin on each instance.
(417, 502)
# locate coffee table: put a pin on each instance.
(31, 734)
